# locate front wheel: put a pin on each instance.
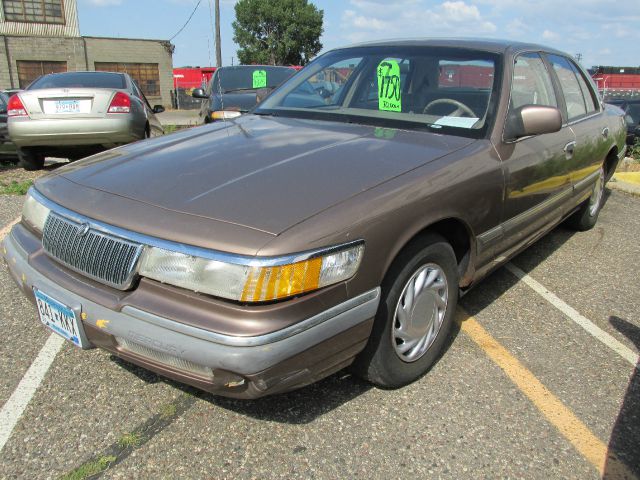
(587, 215)
(420, 294)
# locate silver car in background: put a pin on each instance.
(75, 114)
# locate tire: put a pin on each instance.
(30, 160)
(587, 215)
(392, 358)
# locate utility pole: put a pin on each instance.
(218, 48)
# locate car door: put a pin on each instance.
(584, 114)
(536, 172)
(155, 126)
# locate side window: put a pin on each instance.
(136, 90)
(587, 93)
(576, 106)
(531, 85)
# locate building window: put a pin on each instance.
(29, 70)
(34, 11)
(146, 75)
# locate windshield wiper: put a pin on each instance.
(243, 89)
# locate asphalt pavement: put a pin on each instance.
(523, 390)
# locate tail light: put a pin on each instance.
(121, 103)
(15, 108)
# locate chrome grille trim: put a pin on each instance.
(103, 257)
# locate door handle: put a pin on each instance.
(568, 149)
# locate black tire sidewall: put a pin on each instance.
(379, 362)
(30, 161)
(583, 220)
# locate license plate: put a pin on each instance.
(67, 106)
(59, 318)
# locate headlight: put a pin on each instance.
(34, 213)
(252, 283)
(225, 114)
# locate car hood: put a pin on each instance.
(264, 173)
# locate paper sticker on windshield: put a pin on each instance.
(389, 90)
(259, 79)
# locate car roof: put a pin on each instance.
(242, 67)
(499, 46)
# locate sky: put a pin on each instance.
(604, 32)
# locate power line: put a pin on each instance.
(188, 20)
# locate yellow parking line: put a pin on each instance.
(546, 402)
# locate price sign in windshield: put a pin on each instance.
(389, 91)
(260, 79)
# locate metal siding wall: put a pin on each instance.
(70, 29)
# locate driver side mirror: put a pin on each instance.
(263, 93)
(531, 120)
(199, 93)
(158, 109)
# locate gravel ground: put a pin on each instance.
(11, 172)
(464, 419)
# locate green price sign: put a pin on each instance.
(389, 90)
(259, 79)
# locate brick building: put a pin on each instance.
(43, 36)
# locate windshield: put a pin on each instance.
(80, 80)
(632, 114)
(441, 89)
(232, 79)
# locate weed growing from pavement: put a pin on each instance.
(130, 440)
(634, 151)
(168, 410)
(15, 188)
(90, 468)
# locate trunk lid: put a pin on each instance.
(55, 103)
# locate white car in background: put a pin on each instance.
(76, 114)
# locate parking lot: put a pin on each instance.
(540, 381)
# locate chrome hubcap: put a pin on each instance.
(419, 313)
(596, 195)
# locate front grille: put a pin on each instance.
(100, 256)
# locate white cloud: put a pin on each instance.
(368, 20)
(549, 35)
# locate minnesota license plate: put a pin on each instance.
(59, 318)
(67, 106)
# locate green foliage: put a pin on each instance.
(634, 151)
(277, 32)
(90, 468)
(15, 188)
(130, 440)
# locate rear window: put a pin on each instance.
(79, 80)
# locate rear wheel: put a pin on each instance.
(419, 297)
(587, 215)
(30, 160)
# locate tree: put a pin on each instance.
(277, 32)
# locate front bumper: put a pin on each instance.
(114, 130)
(235, 366)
